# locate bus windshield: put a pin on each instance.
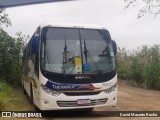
(76, 51)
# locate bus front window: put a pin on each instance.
(70, 50)
(100, 54)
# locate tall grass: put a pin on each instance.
(141, 65)
(5, 90)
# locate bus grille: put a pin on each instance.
(81, 93)
(74, 103)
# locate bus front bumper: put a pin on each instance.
(63, 101)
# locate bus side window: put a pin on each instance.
(23, 60)
(35, 54)
(37, 63)
(26, 61)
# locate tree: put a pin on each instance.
(11, 56)
(4, 19)
(21, 42)
(11, 51)
(150, 7)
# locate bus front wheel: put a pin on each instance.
(86, 110)
(31, 97)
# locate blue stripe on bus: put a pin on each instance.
(63, 86)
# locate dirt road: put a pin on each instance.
(129, 99)
(135, 99)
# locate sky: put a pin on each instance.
(123, 25)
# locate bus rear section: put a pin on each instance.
(70, 67)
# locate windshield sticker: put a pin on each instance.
(78, 65)
(59, 86)
(78, 69)
(87, 67)
(78, 62)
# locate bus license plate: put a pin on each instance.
(83, 101)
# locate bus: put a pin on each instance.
(70, 66)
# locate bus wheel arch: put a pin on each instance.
(32, 97)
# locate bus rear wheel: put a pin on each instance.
(31, 93)
(24, 91)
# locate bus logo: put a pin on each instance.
(83, 77)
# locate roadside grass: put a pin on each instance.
(13, 99)
(4, 92)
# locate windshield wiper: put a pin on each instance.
(64, 59)
(87, 52)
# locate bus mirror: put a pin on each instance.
(114, 45)
(35, 43)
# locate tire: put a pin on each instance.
(31, 93)
(37, 109)
(88, 109)
(24, 91)
(85, 110)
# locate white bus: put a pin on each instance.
(70, 66)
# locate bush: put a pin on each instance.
(141, 65)
(153, 77)
(124, 73)
(137, 71)
(11, 57)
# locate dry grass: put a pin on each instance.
(18, 101)
(13, 99)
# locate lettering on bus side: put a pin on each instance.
(59, 86)
(63, 87)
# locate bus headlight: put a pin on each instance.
(49, 91)
(111, 89)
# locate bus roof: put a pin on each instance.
(71, 25)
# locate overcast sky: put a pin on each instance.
(124, 27)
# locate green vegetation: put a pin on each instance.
(10, 64)
(4, 19)
(5, 91)
(11, 57)
(12, 98)
(10, 60)
(141, 66)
